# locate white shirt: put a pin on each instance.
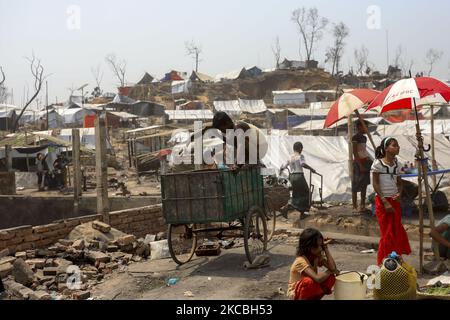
(388, 176)
(295, 163)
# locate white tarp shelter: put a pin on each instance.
(289, 97)
(181, 86)
(75, 115)
(252, 106)
(189, 114)
(329, 156)
(231, 107)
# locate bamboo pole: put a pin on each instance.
(433, 155)
(423, 167)
(363, 123)
(419, 184)
(350, 147)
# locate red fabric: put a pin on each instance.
(364, 95)
(393, 235)
(89, 121)
(308, 289)
(426, 86)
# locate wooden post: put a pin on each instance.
(101, 170)
(363, 123)
(350, 147)
(8, 158)
(433, 155)
(419, 183)
(422, 171)
(76, 169)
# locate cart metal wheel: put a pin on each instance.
(182, 242)
(255, 233)
(271, 216)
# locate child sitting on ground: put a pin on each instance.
(306, 282)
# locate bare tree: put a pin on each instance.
(276, 49)
(118, 67)
(432, 57)
(398, 60)
(97, 73)
(3, 89)
(37, 70)
(193, 50)
(334, 53)
(361, 58)
(310, 26)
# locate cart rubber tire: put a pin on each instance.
(271, 216)
(175, 256)
(252, 233)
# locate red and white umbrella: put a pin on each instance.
(348, 103)
(407, 93)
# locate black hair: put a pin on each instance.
(298, 146)
(222, 119)
(308, 239)
(380, 151)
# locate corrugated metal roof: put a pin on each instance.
(189, 114)
(123, 115)
(309, 112)
(293, 91)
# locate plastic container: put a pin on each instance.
(349, 286)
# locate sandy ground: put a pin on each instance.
(223, 276)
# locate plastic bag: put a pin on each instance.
(159, 249)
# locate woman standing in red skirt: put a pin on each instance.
(388, 186)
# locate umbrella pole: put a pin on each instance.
(433, 158)
(363, 123)
(350, 147)
(422, 170)
(419, 185)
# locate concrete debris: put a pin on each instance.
(100, 226)
(22, 273)
(69, 268)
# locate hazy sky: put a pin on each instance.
(150, 35)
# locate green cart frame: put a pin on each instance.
(195, 202)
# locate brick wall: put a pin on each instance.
(137, 221)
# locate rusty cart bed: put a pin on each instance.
(194, 202)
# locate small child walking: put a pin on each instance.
(388, 188)
(306, 282)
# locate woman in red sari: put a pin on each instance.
(306, 282)
(388, 187)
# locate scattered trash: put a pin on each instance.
(226, 244)
(368, 251)
(443, 279)
(172, 281)
(188, 294)
(260, 261)
(209, 278)
(281, 291)
(208, 250)
(20, 188)
(159, 249)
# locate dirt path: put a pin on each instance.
(223, 277)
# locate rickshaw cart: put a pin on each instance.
(196, 202)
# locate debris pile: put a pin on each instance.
(70, 268)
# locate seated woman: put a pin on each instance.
(306, 282)
(441, 234)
